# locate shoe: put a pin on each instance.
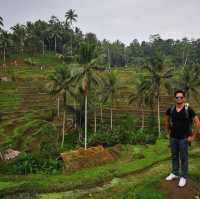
(182, 182)
(171, 176)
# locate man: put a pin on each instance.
(178, 122)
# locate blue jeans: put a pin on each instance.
(179, 152)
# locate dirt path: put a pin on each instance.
(172, 191)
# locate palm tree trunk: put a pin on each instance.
(183, 55)
(49, 45)
(63, 48)
(188, 95)
(95, 121)
(63, 130)
(64, 98)
(111, 118)
(22, 46)
(75, 115)
(1, 156)
(55, 44)
(43, 47)
(64, 117)
(142, 107)
(58, 106)
(186, 60)
(4, 55)
(109, 59)
(159, 115)
(101, 113)
(142, 117)
(85, 122)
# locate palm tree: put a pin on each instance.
(142, 95)
(78, 109)
(32, 36)
(100, 102)
(93, 99)
(61, 81)
(188, 79)
(1, 22)
(87, 75)
(70, 18)
(111, 89)
(157, 73)
(41, 31)
(19, 34)
(55, 35)
(5, 42)
(55, 30)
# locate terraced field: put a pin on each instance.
(29, 94)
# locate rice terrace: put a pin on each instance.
(86, 116)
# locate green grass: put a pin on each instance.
(145, 185)
(146, 189)
(9, 97)
(140, 185)
(88, 177)
(92, 177)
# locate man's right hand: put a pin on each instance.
(168, 135)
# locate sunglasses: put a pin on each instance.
(179, 97)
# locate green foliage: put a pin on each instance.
(126, 132)
(86, 52)
(71, 140)
(59, 36)
(32, 163)
(34, 136)
(87, 177)
(152, 125)
(188, 79)
(37, 140)
(128, 122)
(104, 138)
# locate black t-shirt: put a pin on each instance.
(181, 124)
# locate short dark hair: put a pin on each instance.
(179, 91)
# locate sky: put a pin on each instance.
(124, 20)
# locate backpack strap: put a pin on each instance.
(188, 116)
(187, 110)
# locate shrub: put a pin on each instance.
(125, 132)
(31, 163)
(124, 137)
(128, 122)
